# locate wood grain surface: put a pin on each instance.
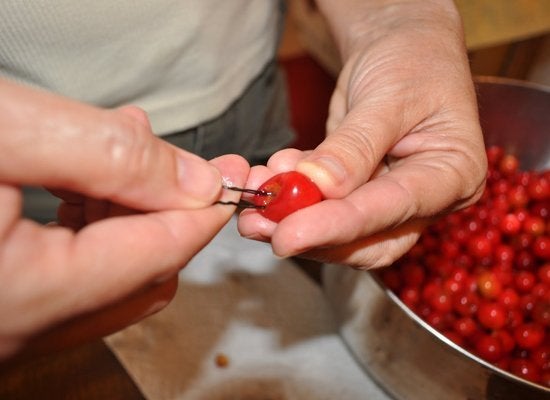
(86, 372)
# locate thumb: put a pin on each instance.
(106, 154)
(349, 155)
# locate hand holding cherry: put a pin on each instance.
(403, 141)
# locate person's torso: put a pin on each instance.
(183, 61)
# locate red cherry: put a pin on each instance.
(503, 363)
(509, 298)
(541, 356)
(541, 209)
(489, 348)
(504, 274)
(525, 260)
(510, 224)
(515, 318)
(534, 225)
(500, 203)
(501, 187)
(287, 192)
(525, 280)
(442, 268)
(527, 303)
(470, 283)
(459, 275)
(452, 286)
(480, 246)
(529, 336)
(504, 253)
(524, 177)
(410, 296)
(492, 315)
(541, 247)
(439, 320)
(508, 164)
(525, 369)
(488, 285)
(521, 214)
(450, 249)
(494, 236)
(541, 290)
(430, 290)
(482, 213)
(539, 188)
(506, 340)
(541, 313)
(459, 235)
(464, 261)
(441, 301)
(474, 225)
(423, 310)
(544, 273)
(518, 197)
(522, 241)
(494, 217)
(466, 303)
(465, 326)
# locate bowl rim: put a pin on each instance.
(511, 82)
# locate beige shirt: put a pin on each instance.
(183, 61)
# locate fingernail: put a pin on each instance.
(199, 180)
(324, 170)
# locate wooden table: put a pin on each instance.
(86, 372)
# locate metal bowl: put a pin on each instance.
(406, 356)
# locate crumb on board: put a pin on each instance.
(221, 360)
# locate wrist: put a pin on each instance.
(362, 23)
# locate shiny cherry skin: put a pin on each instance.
(287, 192)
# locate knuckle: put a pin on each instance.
(356, 148)
(128, 152)
(471, 169)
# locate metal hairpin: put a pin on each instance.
(249, 191)
(243, 203)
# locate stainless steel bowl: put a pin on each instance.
(406, 356)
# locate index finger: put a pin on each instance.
(105, 154)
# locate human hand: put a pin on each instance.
(403, 138)
(105, 254)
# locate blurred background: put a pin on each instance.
(504, 38)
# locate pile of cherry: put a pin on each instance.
(481, 275)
